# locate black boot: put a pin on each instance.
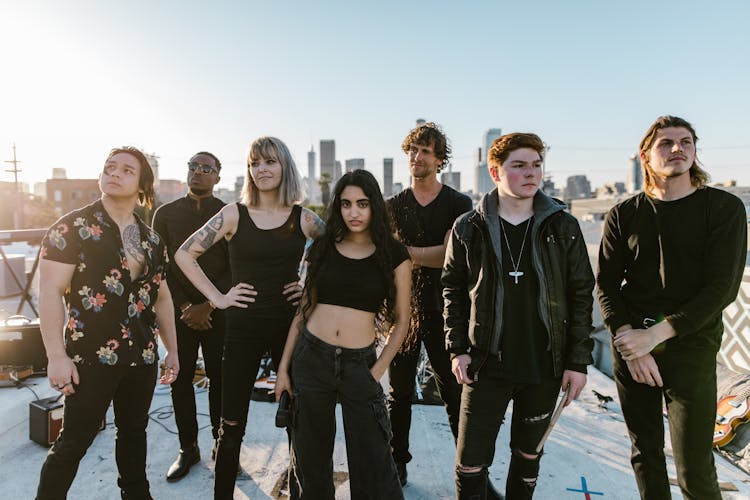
(522, 476)
(471, 485)
(492, 493)
(186, 459)
(401, 469)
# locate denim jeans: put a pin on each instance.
(483, 406)
(323, 374)
(242, 355)
(211, 343)
(401, 375)
(130, 389)
(689, 376)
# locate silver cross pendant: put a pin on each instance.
(515, 275)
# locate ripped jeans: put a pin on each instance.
(323, 374)
(483, 407)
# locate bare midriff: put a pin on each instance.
(342, 326)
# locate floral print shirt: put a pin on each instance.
(110, 318)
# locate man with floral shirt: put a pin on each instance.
(108, 267)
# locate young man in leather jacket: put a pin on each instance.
(518, 297)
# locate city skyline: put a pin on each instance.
(589, 79)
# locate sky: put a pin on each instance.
(177, 77)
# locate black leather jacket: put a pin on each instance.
(474, 296)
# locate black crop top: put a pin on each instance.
(355, 283)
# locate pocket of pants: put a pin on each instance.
(381, 417)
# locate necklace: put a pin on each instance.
(515, 273)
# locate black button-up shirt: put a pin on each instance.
(175, 222)
(111, 318)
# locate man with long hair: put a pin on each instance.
(108, 268)
(671, 259)
(518, 300)
(422, 217)
(199, 325)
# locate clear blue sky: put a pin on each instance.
(175, 77)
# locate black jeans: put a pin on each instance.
(402, 373)
(483, 406)
(323, 374)
(689, 376)
(130, 389)
(242, 354)
(211, 343)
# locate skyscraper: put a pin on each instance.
(311, 181)
(635, 175)
(388, 177)
(328, 159)
(483, 183)
(337, 171)
(354, 164)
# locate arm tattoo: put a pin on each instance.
(207, 235)
(131, 240)
(318, 227)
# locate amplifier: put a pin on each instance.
(46, 420)
(21, 344)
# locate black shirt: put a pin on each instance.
(356, 283)
(680, 260)
(525, 355)
(111, 319)
(175, 222)
(267, 259)
(426, 226)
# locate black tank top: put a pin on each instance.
(267, 259)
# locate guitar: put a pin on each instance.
(730, 412)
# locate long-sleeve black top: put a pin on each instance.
(680, 260)
(175, 222)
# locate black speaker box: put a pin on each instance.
(45, 420)
(21, 344)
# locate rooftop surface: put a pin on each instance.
(587, 451)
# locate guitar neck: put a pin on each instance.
(741, 396)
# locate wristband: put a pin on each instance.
(185, 307)
(211, 305)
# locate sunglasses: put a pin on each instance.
(204, 169)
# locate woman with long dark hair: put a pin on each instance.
(266, 234)
(358, 276)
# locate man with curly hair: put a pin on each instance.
(422, 216)
(108, 268)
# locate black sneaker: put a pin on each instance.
(401, 469)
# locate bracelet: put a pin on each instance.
(185, 307)
(211, 305)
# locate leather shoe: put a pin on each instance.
(186, 459)
(401, 469)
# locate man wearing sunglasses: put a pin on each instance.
(199, 324)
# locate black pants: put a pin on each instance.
(483, 406)
(689, 376)
(323, 374)
(211, 343)
(402, 373)
(242, 354)
(130, 389)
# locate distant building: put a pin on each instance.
(388, 177)
(239, 183)
(328, 159)
(577, 187)
(610, 190)
(226, 195)
(452, 179)
(634, 179)
(337, 172)
(71, 194)
(153, 160)
(483, 183)
(59, 173)
(312, 185)
(170, 190)
(397, 187)
(354, 164)
(548, 186)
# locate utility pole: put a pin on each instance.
(18, 212)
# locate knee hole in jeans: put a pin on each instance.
(468, 469)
